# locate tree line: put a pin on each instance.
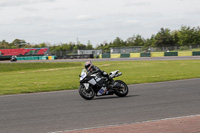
(185, 36)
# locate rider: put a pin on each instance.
(94, 69)
(91, 69)
(14, 57)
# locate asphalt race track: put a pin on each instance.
(66, 110)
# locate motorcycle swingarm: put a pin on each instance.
(117, 86)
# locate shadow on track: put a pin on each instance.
(113, 97)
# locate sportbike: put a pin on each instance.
(96, 85)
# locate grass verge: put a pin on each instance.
(18, 78)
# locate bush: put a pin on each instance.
(184, 48)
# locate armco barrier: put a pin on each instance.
(125, 55)
(44, 57)
(51, 57)
(105, 55)
(115, 56)
(157, 54)
(33, 58)
(39, 57)
(196, 53)
(185, 53)
(170, 53)
(83, 56)
(145, 54)
(134, 55)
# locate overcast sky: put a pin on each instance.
(63, 21)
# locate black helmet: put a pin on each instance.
(88, 65)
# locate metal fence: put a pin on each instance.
(153, 49)
(121, 50)
(126, 50)
(94, 52)
(62, 53)
(70, 55)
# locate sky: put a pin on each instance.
(97, 21)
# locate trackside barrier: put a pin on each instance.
(115, 56)
(105, 55)
(36, 58)
(108, 55)
(51, 57)
(157, 54)
(185, 53)
(125, 55)
(196, 53)
(153, 54)
(145, 54)
(134, 55)
(44, 57)
(170, 53)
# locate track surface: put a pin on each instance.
(66, 110)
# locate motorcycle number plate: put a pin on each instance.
(86, 86)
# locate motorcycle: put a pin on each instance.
(13, 59)
(96, 85)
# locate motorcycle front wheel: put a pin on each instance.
(122, 91)
(86, 94)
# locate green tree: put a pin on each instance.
(175, 36)
(79, 47)
(164, 38)
(118, 42)
(137, 40)
(197, 35)
(187, 36)
(89, 45)
(131, 41)
(18, 43)
(150, 42)
(4, 44)
(42, 45)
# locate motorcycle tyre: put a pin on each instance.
(121, 94)
(84, 96)
(13, 60)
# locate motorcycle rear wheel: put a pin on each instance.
(86, 94)
(123, 91)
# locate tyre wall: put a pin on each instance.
(151, 54)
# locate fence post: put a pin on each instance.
(175, 48)
(190, 47)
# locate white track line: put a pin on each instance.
(38, 93)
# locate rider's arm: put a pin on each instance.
(97, 70)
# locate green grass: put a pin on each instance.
(18, 78)
(8, 67)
